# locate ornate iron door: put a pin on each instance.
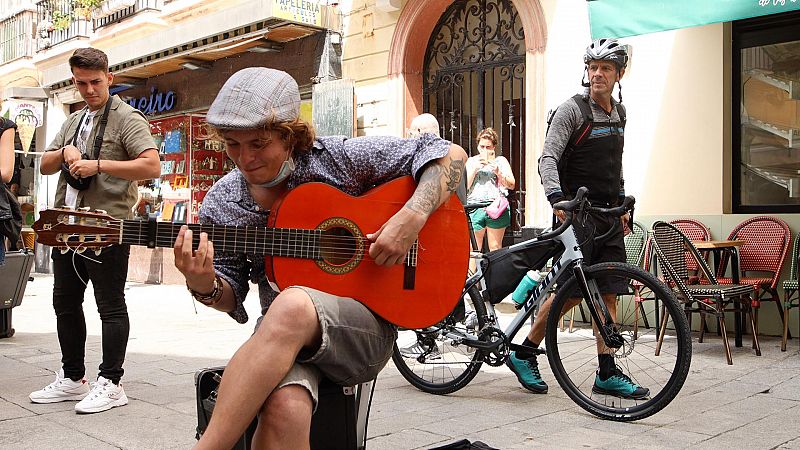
(475, 78)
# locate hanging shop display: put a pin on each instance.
(191, 162)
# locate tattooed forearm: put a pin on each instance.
(428, 194)
(437, 182)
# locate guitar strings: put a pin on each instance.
(337, 246)
(329, 250)
(78, 252)
(332, 251)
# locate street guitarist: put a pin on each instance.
(303, 333)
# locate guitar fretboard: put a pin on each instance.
(288, 242)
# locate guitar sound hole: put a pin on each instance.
(338, 246)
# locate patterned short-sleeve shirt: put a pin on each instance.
(353, 165)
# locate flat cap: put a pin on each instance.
(253, 97)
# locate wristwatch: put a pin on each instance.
(213, 297)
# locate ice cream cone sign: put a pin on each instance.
(28, 116)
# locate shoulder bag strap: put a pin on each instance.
(98, 138)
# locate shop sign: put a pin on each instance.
(158, 102)
(303, 11)
(28, 115)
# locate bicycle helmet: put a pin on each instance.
(607, 50)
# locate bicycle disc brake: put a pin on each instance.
(615, 339)
(498, 342)
(627, 343)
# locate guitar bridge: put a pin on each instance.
(410, 268)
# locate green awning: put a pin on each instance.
(621, 18)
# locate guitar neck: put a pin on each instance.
(288, 242)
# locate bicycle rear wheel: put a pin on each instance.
(433, 359)
(651, 361)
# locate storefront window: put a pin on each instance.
(767, 134)
(190, 164)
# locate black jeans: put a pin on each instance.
(108, 281)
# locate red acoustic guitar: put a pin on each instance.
(315, 238)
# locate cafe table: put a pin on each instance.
(732, 248)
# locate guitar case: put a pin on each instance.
(14, 274)
(339, 423)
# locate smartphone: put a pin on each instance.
(488, 156)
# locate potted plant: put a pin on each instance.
(60, 20)
(83, 8)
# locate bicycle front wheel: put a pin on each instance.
(434, 359)
(655, 354)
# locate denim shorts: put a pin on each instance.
(356, 345)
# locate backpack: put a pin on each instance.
(580, 135)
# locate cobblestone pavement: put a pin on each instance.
(753, 404)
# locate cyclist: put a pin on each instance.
(583, 147)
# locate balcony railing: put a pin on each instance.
(137, 7)
(60, 21)
(16, 36)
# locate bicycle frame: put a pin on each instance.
(571, 258)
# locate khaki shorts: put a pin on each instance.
(356, 345)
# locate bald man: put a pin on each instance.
(423, 123)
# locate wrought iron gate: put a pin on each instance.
(474, 77)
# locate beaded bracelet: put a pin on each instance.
(213, 297)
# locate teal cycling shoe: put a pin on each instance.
(527, 372)
(619, 385)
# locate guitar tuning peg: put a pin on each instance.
(84, 208)
(80, 250)
(63, 250)
(97, 251)
(101, 211)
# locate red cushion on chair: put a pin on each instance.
(755, 282)
(766, 243)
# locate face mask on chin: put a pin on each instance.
(283, 173)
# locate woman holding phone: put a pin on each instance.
(489, 178)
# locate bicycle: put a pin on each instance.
(449, 355)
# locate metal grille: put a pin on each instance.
(135, 8)
(475, 78)
(16, 36)
(60, 21)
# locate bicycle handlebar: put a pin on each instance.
(569, 206)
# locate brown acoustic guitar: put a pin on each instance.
(315, 237)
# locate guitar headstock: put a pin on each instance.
(77, 229)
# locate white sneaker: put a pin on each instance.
(61, 390)
(104, 396)
(417, 349)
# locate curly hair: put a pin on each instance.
(297, 134)
(490, 134)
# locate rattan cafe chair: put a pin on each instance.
(713, 299)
